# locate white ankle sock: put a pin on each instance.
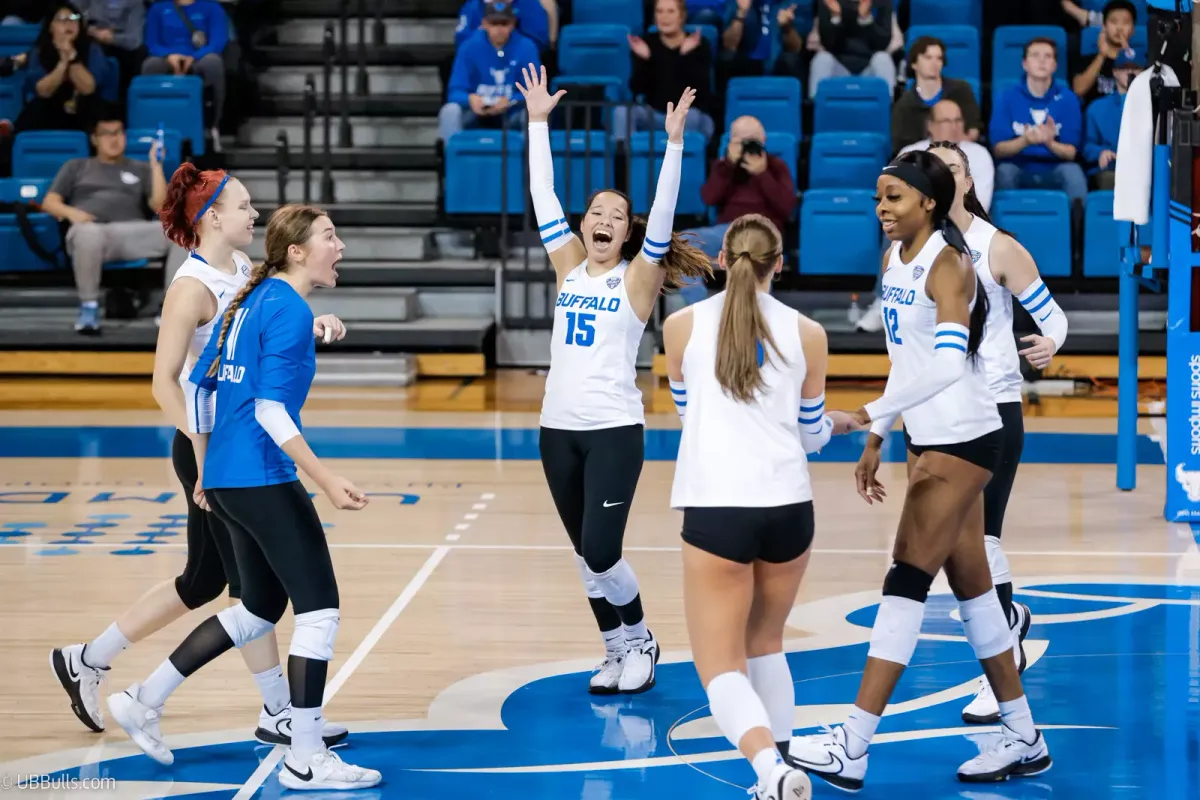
(1017, 720)
(158, 686)
(765, 762)
(274, 688)
(614, 642)
(860, 728)
(306, 733)
(772, 682)
(637, 632)
(107, 646)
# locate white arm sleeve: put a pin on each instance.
(679, 395)
(816, 427)
(661, 221)
(552, 222)
(948, 365)
(201, 407)
(1050, 319)
(275, 420)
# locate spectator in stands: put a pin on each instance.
(64, 70)
(118, 25)
(1037, 128)
(480, 92)
(855, 35)
(537, 20)
(746, 39)
(188, 37)
(795, 54)
(911, 114)
(946, 125)
(108, 200)
(664, 64)
(1094, 77)
(1104, 123)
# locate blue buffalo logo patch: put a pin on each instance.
(975, 256)
(246, 270)
(614, 281)
(918, 271)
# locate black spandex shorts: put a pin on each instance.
(996, 493)
(982, 452)
(776, 534)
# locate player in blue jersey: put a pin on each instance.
(263, 359)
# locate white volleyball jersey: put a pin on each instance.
(592, 382)
(998, 351)
(223, 287)
(742, 454)
(966, 409)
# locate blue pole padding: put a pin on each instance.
(1160, 215)
(1127, 370)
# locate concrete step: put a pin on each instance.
(380, 80)
(397, 31)
(389, 8)
(374, 304)
(349, 186)
(370, 244)
(366, 370)
(368, 132)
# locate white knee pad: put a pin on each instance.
(896, 630)
(997, 561)
(315, 633)
(619, 584)
(735, 706)
(242, 626)
(589, 582)
(984, 623)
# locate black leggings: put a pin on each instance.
(996, 493)
(210, 560)
(280, 547)
(592, 476)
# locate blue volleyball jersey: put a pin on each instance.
(269, 354)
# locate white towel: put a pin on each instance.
(1135, 150)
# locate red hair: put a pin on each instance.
(187, 193)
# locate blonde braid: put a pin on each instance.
(257, 276)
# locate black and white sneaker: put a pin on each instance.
(824, 755)
(277, 728)
(607, 677)
(785, 783)
(983, 708)
(641, 658)
(81, 683)
(325, 771)
(1008, 758)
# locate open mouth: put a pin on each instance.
(601, 237)
(888, 225)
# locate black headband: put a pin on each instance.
(911, 174)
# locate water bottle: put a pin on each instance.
(856, 311)
(160, 137)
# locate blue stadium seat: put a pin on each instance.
(602, 12)
(1100, 239)
(962, 47)
(1089, 40)
(40, 154)
(784, 145)
(110, 87)
(1008, 50)
(155, 99)
(847, 160)
(853, 105)
(775, 101)
(591, 161)
(1041, 221)
(18, 257)
(137, 147)
(23, 190)
(643, 182)
(839, 234)
(947, 12)
(595, 50)
(11, 99)
(17, 39)
(616, 90)
(475, 153)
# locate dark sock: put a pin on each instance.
(206, 642)
(783, 748)
(606, 616)
(631, 613)
(306, 679)
(1004, 592)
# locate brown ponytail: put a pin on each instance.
(752, 248)
(187, 193)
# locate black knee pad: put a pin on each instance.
(198, 589)
(905, 580)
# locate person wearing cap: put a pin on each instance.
(1104, 123)
(537, 20)
(480, 91)
(1094, 77)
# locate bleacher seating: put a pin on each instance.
(775, 101)
(470, 154)
(962, 47)
(847, 160)
(853, 105)
(156, 99)
(1041, 221)
(621, 12)
(946, 12)
(1100, 237)
(137, 147)
(40, 154)
(642, 181)
(595, 50)
(1008, 50)
(10, 99)
(18, 256)
(17, 39)
(591, 167)
(839, 234)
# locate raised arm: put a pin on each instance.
(1019, 274)
(565, 249)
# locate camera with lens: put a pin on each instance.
(752, 147)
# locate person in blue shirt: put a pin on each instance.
(263, 358)
(537, 20)
(1104, 123)
(1037, 128)
(480, 93)
(188, 37)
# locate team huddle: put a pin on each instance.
(236, 358)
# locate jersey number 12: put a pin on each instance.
(891, 324)
(580, 330)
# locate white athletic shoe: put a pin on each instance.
(785, 783)
(325, 770)
(140, 721)
(983, 708)
(277, 728)
(637, 674)
(1006, 759)
(81, 683)
(607, 676)
(824, 755)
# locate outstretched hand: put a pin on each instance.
(535, 88)
(677, 115)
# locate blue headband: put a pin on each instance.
(212, 199)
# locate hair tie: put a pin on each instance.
(212, 199)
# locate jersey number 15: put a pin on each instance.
(580, 330)
(891, 324)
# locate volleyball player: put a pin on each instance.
(210, 214)
(1006, 270)
(748, 378)
(592, 421)
(263, 359)
(934, 308)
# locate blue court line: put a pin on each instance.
(509, 444)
